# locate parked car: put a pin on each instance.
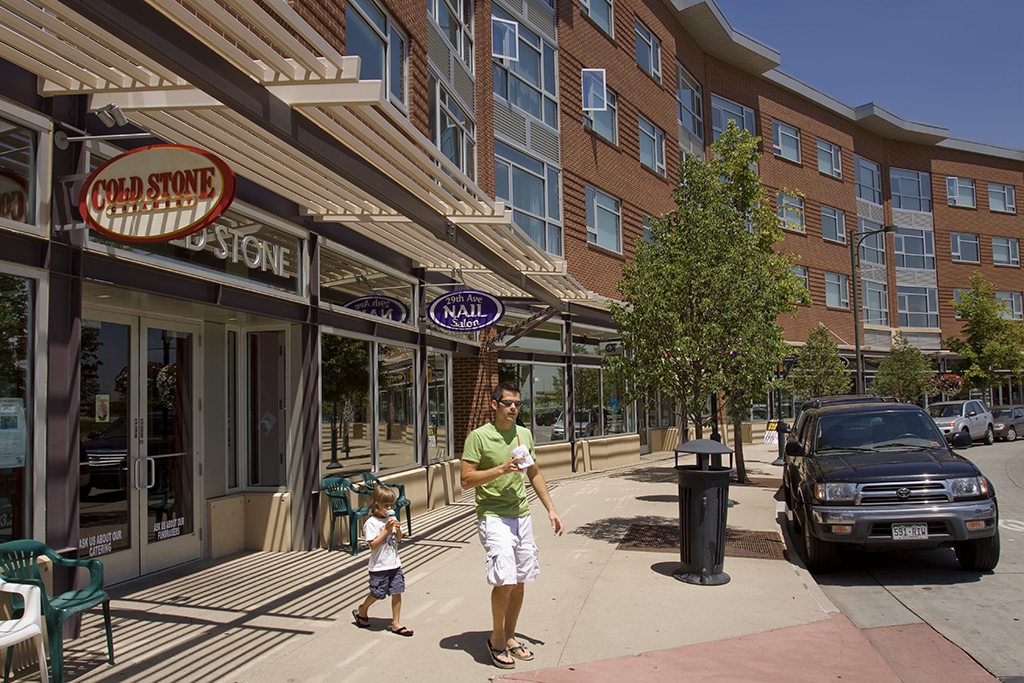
(586, 424)
(103, 459)
(879, 476)
(547, 417)
(971, 416)
(1007, 422)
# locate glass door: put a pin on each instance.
(138, 469)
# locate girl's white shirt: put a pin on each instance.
(385, 557)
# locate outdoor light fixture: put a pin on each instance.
(111, 115)
(854, 267)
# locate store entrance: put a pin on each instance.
(138, 473)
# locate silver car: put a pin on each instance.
(971, 416)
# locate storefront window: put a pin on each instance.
(16, 368)
(348, 282)
(438, 442)
(346, 442)
(17, 171)
(396, 416)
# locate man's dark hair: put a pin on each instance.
(510, 387)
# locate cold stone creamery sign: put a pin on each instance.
(13, 196)
(465, 310)
(157, 193)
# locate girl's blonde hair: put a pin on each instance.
(383, 498)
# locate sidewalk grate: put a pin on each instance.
(738, 542)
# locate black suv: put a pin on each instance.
(878, 475)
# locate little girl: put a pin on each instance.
(383, 531)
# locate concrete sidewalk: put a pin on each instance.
(601, 610)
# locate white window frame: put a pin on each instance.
(782, 133)
(830, 159)
(648, 45)
(388, 35)
(837, 290)
(601, 204)
(838, 218)
(1007, 197)
(913, 245)
(646, 223)
(926, 298)
(958, 293)
(594, 85)
(653, 139)
(960, 192)
(690, 99)
(505, 34)
(1014, 309)
(456, 9)
(804, 277)
(1008, 246)
(587, 8)
(534, 94)
(518, 161)
(875, 303)
(609, 114)
(790, 210)
(723, 111)
(448, 106)
(910, 190)
(872, 247)
(868, 179)
(956, 242)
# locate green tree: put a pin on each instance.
(818, 370)
(990, 341)
(701, 298)
(345, 382)
(905, 373)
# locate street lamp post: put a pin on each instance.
(854, 266)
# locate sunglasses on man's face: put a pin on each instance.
(507, 402)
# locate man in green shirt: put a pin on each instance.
(495, 463)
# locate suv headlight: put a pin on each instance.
(969, 487)
(835, 492)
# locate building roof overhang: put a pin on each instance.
(254, 83)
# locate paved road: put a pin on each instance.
(983, 614)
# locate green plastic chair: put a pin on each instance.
(337, 491)
(369, 481)
(19, 563)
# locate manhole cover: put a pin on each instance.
(738, 542)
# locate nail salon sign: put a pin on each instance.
(157, 193)
(380, 306)
(465, 310)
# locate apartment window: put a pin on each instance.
(786, 141)
(868, 178)
(504, 38)
(801, 274)
(958, 294)
(829, 160)
(691, 110)
(723, 111)
(455, 19)
(872, 247)
(604, 123)
(837, 290)
(647, 228)
(1001, 198)
(876, 303)
(604, 220)
(451, 128)
(790, 211)
(648, 50)
(915, 249)
(964, 247)
(917, 306)
(1013, 311)
(600, 12)
(652, 146)
(960, 192)
(833, 224)
(382, 48)
(1005, 251)
(528, 83)
(532, 189)
(910, 190)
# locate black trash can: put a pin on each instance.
(703, 501)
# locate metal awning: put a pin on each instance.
(257, 85)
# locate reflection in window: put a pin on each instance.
(528, 83)
(381, 46)
(438, 441)
(16, 368)
(17, 169)
(396, 406)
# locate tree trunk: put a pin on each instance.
(741, 467)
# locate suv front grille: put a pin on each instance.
(890, 493)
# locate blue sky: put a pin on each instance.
(950, 63)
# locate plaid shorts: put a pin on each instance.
(387, 582)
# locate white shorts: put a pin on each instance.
(511, 551)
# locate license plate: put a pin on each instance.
(905, 531)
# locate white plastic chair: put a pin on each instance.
(30, 625)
